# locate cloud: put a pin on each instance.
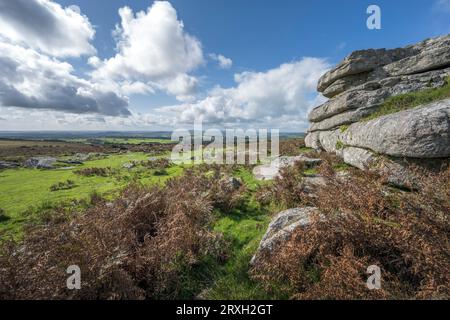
(154, 49)
(32, 80)
(443, 5)
(46, 26)
(286, 93)
(58, 120)
(224, 63)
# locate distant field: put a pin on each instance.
(122, 140)
(22, 149)
(32, 143)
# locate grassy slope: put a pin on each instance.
(22, 189)
(411, 100)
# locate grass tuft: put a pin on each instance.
(410, 100)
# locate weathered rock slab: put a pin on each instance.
(271, 170)
(282, 226)
(359, 158)
(372, 94)
(422, 132)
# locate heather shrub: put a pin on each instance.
(3, 216)
(150, 243)
(286, 190)
(361, 223)
(65, 185)
(91, 172)
(291, 147)
(219, 184)
(159, 163)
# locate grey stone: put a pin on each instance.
(345, 84)
(270, 171)
(282, 226)
(344, 118)
(360, 158)
(331, 141)
(40, 162)
(432, 54)
(312, 140)
(363, 61)
(8, 165)
(312, 184)
(265, 172)
(128, 165)
(421, 132)
(373, 94)
(425, 56)
(290, 161)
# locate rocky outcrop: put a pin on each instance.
(41, 163)
(359, 85)
(8, 165)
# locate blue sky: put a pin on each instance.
(258, 38)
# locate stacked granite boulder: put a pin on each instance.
(359, 85)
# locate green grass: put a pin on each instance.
(25, 189)
(310, 171)
(305, 150)
(410, 100)
(344, 127)
(243, 229)
(339, 145)
(341, 167)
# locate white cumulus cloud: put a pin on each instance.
(224, 62)
(285, 93)
(153, 48)
(46, 26)
(443, 5)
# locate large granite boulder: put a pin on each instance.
(282, 226)
(363, 61)
(422, 132)
(375, 64)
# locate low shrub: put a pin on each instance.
(3, 216)
(159, 163)
(91, 172)
(150, 243)
(95, 197)
(291, 147)
(361, 222)
(160, 172)
(286, 190)
(65, 185)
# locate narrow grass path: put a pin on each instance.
(243, 228)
